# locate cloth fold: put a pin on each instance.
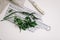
(3, 4)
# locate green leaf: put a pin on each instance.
(32, 24)
(25, 13)
(28, 19)
(10, 10)
(25, 26)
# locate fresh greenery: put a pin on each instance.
(23, 24)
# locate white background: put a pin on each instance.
(8, 31)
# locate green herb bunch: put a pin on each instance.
(23, 24)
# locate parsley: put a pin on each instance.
(25, 23)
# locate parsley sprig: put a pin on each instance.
(25, 23)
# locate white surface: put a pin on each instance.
(8, 31)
